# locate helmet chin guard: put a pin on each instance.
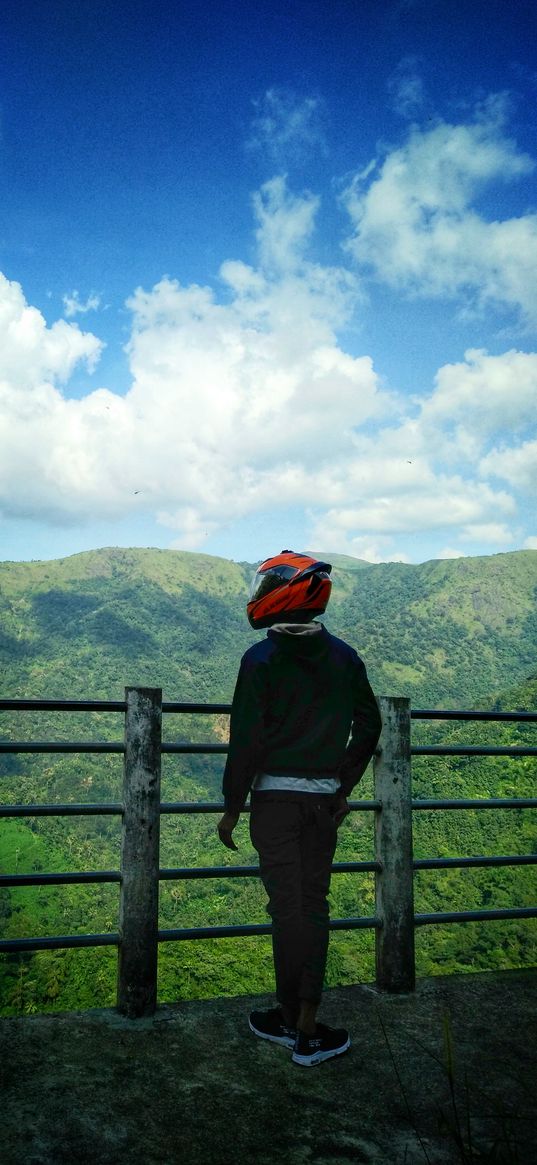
(288, 585)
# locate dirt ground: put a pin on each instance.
(194, 1086)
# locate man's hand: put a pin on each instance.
(225, 827)
(341, 809)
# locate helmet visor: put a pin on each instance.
(265, 581)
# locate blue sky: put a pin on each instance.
(268, 277)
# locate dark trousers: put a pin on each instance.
(295, 837)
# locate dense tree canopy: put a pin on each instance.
(455, 633)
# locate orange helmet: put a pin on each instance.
(289, 584)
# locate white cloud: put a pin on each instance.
(531, 542)
(497, 533)
(251, 405)
(445, 504)
(285, 225)
(493, 392)
(336, 540)
(73, 305)
(479, 406)
(416, 226)
(32, 354)
(450, 552)
(288, 128)
(406, 88)
(518, 466)
(193, 531)
(231, 407)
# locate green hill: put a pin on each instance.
(441, 632)
(457, 633)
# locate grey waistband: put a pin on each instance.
(297, 784)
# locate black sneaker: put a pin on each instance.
(327, 1042)
(270, 1025)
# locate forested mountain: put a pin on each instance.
(441, 632)
(457, 633)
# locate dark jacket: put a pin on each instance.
(297, 698)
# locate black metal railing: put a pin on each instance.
(394, 920)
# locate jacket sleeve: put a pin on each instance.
(365, 731)
(246, 732)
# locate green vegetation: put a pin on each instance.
(458, 633)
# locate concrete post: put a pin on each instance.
(138, 916)
(395, 962)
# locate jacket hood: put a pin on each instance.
(308, 640)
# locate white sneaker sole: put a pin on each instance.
(318, 1057)
(285, 1041)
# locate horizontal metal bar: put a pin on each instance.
(471, 750)
(218, 806)
(104, 706)
(213, 932)
(46, 746)
(165, 875)
(185, 747)
(39, 705)
(187, 807)
(62, 706)
(439, 714)
(8, 946)
(207, 749)
(15, 705)
(480, 803)
(59, 879)
(354, 923)
(449, 863)
(209, 709)
(72, 810)
(195, 807)
(474, 915)
(175, 874)
(254, 929)
(96, 746)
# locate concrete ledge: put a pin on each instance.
(193, 1085)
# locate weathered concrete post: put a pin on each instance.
(138, 914)
(394, 895)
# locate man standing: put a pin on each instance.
(299, 694)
